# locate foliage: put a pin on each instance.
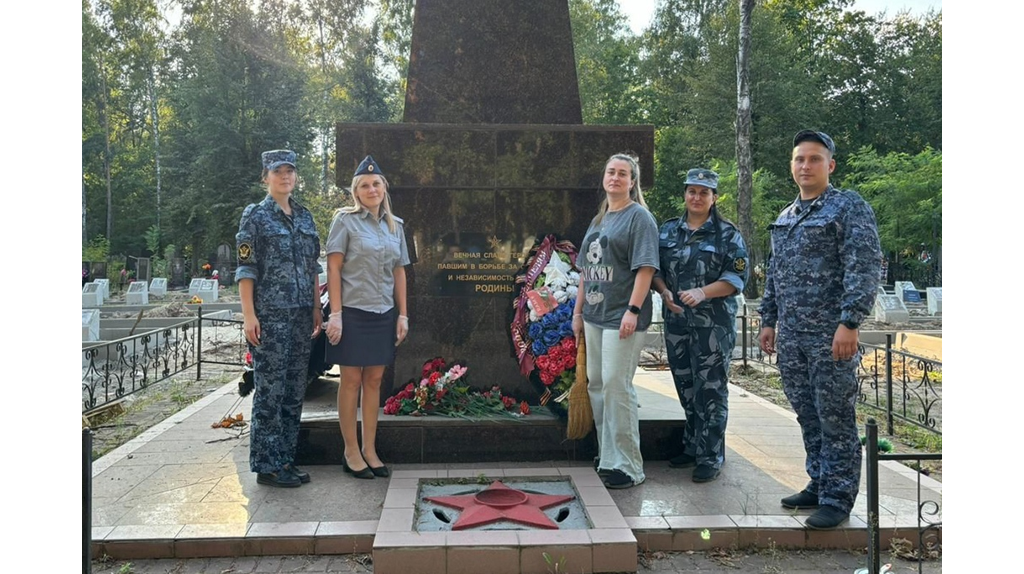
(905, 192)
(97, 250)
(218, 86)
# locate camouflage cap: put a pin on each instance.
(368, 167)
(701, 176)
(278, 157)
(811, 135)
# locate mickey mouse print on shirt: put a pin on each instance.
(596, 270)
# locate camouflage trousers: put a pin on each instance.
(280, 364)
(823, 393)
(699, 359)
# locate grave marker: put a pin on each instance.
(90, 325)
(208, 289)
(934, 295)
(906, 291)
(105, 284)
(92, 295)
(177, 272)
(158, 287)
(142, 269)
(193, 287)
(890, 309)
(138, 293)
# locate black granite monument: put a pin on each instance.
(491, 156)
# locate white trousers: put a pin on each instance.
(611, 364)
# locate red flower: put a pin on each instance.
(524, 409)
(434, 377)
(248, 358)
(509, 402)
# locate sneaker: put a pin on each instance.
(282, 478)
(826, 517)
(617, 479)
(303, 475)
(705, 473)
(682, 461)
(802, 499)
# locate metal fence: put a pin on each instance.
(901, 386)
(929, 522)
(117, 369)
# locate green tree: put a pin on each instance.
(607, 62)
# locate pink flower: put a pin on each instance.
(456, 372)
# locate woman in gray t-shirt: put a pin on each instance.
(619, 256)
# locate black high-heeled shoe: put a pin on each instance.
(361, 473)
(382, 471)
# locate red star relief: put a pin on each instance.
(498, 502)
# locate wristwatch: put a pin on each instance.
(850, 324)
(633, 309)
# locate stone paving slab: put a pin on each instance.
(186, 477)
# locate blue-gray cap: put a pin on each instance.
(274, 158)
(368, 167)
(811, 135)
(701, 176)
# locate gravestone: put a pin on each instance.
(934, 296)
(194, 286)
(90, 325)
(177, 272)
(92, 295)
(105, 286)
(881, 290)
(158, 287)
(491, 157)
(907, 293)
(99, 270)
(142, 270)
(137, 294)
(890, 309)
(208, 290)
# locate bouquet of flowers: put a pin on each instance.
(443, 390)
(542, 327)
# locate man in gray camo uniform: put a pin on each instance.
(821, 282)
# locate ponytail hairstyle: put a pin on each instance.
(359, 207)
(635, 193)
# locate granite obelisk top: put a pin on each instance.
(490, 62)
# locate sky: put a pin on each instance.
(641, 11)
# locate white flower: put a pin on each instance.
(533, 316)
(561, 296)
(571, 291)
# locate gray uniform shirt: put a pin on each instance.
(613, 251)
(372, 252)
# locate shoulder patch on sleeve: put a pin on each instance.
(244, 252)
(739, 264)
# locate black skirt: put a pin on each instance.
(367, 339)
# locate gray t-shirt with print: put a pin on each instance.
(612, 251)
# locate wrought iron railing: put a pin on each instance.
(902, 386)
(116, 369)
(929, 522)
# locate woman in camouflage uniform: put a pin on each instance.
(278, 282)
(703, 264)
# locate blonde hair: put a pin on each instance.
(635, 193)
(359, 207)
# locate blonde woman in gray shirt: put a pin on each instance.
(366, 259)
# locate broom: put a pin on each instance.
(581, 416)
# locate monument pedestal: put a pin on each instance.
(539, 436)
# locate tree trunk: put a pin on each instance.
(744, 162)
(155, 119)
(106, 155)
